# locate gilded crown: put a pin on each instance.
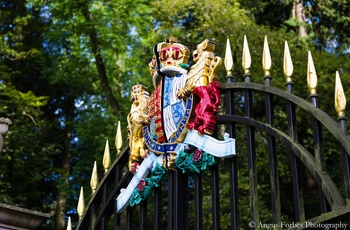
(171, 53)
(168, 55)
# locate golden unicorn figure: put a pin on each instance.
(202, 81)
(204, 71)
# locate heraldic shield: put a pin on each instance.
(171, 128)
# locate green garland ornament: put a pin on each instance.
(146, 186)
(193, 160)
(189, 159)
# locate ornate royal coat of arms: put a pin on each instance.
(171, 128)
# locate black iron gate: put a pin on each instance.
(269, 147)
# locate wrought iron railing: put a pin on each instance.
(209, 201)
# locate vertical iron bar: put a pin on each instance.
(271, 145)
(234, 192)
(116, 216)
(104, 198)
(295, 161)
(215, 197)
(318, 148)
(198, 216)
(233, 163)
(297, 188)
(92, 215)
(180, 221)
(248, 107)
(143, 210)
(103, 224)
(157, 208)
(118, 176)
(129, 215)
(345, 159)
(170, 199)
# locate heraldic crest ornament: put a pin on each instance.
(171, 128)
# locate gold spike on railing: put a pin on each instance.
(287, 63)
(94, 179)
(69, 224)
(228, 59)
(311, 75)
(81, 204)
(266, 58)
(339, 97)
(118, 139)
(106, 158)
(246, 59)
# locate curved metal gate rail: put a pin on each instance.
(334, 204)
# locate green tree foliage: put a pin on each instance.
(84, 62)
(26, 151)
(324, 20)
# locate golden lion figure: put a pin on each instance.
(136, 118)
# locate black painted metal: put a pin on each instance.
(116, 219)
(295, 162)
(170, 199)
(250, 144)
(92, 212)
(143, 222)
(215, 197)
(318, 148)
(157, 209)
(345, 159)
(180, 201)
(102, 205)
(271, 147)
(111, 177)
(117, 177)
(323, 117)
(198, 215)
(105, 187)
(233, 163)
(329, 188)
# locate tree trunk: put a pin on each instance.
(101, 69)
(299, 14)
(60, 221)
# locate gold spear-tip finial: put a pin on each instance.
(266, 58)
(228, 59)
(94, 178)
(69, 224)
(287, 63)
(246, 59)
(106, 158)
(311, 74)
(339, 97)
(81, 204)
(118, 139)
